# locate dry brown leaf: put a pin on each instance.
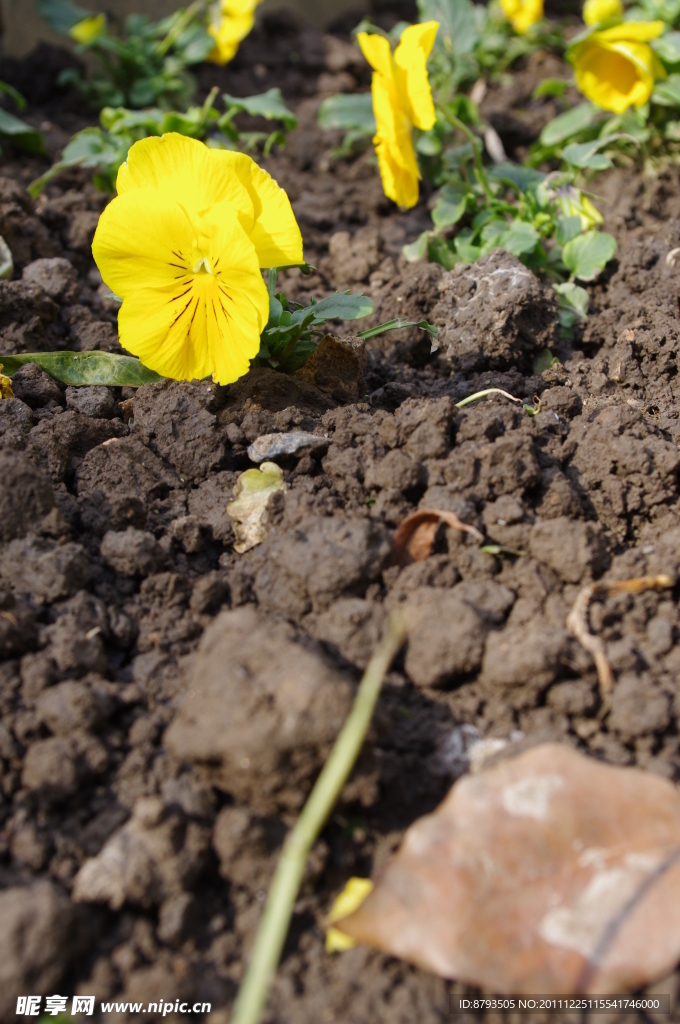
(414, 537)
(548, 873)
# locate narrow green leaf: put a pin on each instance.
(668, 47)
(84, 368)
(586, 255)
(414, 251)
(667, 93)
(550, 87)
(397, 324)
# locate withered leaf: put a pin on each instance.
(547, 873)
(414, 537)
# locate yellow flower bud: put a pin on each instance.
(522, 14)
(616, 68)
(598, 10)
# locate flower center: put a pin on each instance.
(203, 267)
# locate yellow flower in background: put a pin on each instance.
(352, 896)
(183, 245)
(522, 14)
(599, 10)
(402, 100)
(616, 68)
(5, 385)
(233, 22)
(88, 29)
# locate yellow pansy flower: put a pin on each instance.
(88, 29)
(616, 68)
(183, 245)
(5, 385)
(352, 896)
(522, 14)
(595, 11)
(235, 19)
(402, 100)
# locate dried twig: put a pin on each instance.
(577, 619)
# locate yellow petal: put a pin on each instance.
(597, 10)
(275, 232)
(522, 14)
(194, 301)
(376, 50)
(351, 897)
(399, 184)
(410, 58)
(615, 76)
(88, 29)
(634, 31)
(204, 177)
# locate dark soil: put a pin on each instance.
(167, 703)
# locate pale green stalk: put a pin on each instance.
(278, 910)
(179, 27)
(476, 151)
(483, 394)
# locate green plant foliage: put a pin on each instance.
(586, 255)
(145, 65)
(23, 136)
(476, 40)
(353, 113)
(104, 149)
(293, 330)
(83, 368)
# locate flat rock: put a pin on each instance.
(268, 446)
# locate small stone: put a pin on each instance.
(268, 446)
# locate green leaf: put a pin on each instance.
(341, 306)
(567, 228)
(457, 29)
(543, 361)
(588, 254)
(573, 297)
(440, 251)
(397, 324)
(62, 15)
(517, 237)
(415, 251)
(450, 206)
(78, 368)
(668, 47)
(521, 177)
(268, 104)
(569, 123)
(353, 111)
(667, 94)
(21, 133)
(585, 154)
(550, 87)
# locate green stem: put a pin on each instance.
(273, 274)
(476, 150)
(178, 27)
(273, 927)
(483, 394)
